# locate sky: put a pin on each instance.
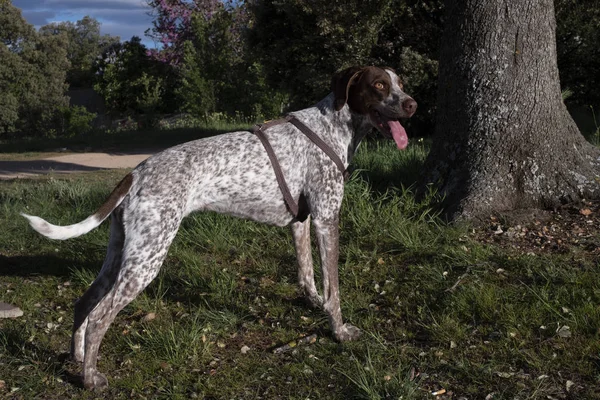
(124, 18)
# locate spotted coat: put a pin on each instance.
(232, 174)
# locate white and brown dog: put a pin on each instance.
(232, 174)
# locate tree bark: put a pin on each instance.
(504, 139)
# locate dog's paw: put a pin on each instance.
(95, 381)
(347, 332)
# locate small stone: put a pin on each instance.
(149, 317)
(569, 385)
(9, 311)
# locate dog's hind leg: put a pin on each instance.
(100, 287)
(143, 255)
(306, 274)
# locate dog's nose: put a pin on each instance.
(410, 106)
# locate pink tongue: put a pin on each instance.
(399, 134)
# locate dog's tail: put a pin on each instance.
(91, 222)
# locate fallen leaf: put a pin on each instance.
(149, 317)
(585, 211)
(564, 331)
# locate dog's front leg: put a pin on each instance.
(327, 232)
(306, 274)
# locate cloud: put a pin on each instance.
(123, 18)
(38, 18)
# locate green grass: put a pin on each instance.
(434, 310)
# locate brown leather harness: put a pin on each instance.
(298, 209)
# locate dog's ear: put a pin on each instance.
(340, 85)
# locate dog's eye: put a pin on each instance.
(379, 86)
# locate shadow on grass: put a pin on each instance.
(383, 179)
(121, 142)
(27, 266)
(42, 166)
(16, 346)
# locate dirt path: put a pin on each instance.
(69, 163)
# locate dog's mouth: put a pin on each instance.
(390, 127)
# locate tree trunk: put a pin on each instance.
(504, 139)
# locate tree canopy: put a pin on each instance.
(281, 55)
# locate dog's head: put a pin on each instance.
(377, 94)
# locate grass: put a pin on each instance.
(435, 310)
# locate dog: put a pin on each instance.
(232, 174)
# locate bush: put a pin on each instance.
(75, 120)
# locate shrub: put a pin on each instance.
(75, 120)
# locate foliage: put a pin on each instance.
(131, 82)
(32, 75)
(295, 47)
(74, 120)
(578, 35)
(196, 90)
(302, 44)
(173, 25)
(85, 45)
(215, 71)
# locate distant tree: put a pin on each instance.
(410, 42)
(504, 139)
(132, 82)
(85, 45)
(217, 67)
(32, 76)
(204, 41)
(172, 25)
(301, 44)
(578, 38)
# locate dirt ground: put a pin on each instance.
(69, 163)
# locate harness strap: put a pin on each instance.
(285, 190)
(259, 129)
(320, 144)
